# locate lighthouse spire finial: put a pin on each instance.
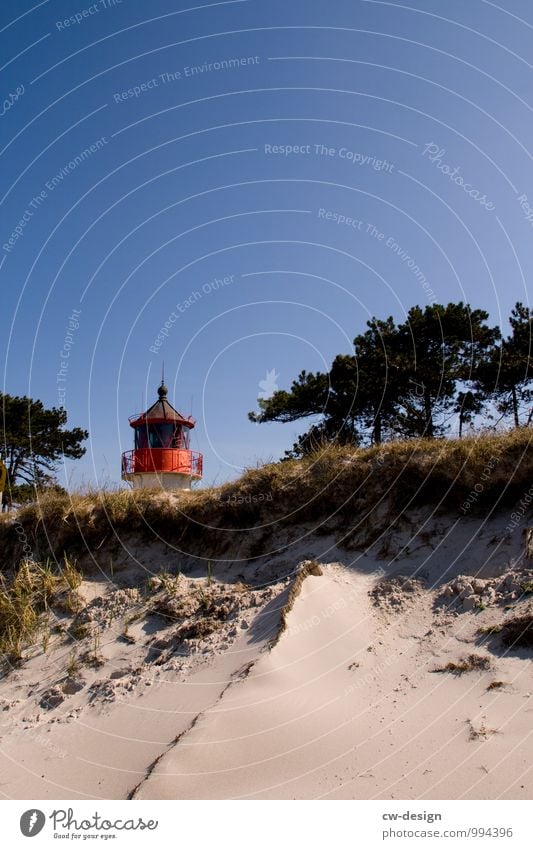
(162, 391)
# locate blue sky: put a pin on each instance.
(273, 174)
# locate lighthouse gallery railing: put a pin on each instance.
(180, 460)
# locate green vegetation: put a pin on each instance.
(34, 439)
(410, 380)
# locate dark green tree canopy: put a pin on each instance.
(443, 362)
(307, 397)
(437, 347)
(507, 372)
(33, 440)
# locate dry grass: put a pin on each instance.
(73, 666)
(342, 486)
(309, 568)
(490, 630)
(93, 656)
(480, 732)
(26, 597)
(472, 663)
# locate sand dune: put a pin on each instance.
(346, 705)
(347, 701)
(99, 741)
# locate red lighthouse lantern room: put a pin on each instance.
(161, 457)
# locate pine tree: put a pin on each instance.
(33, 441)
(506, 374)
(401, 381)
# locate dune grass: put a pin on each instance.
(26, 596)
(336, 483)
(339, 486)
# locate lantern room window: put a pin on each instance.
(161, 435)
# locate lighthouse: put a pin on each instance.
(161, 457)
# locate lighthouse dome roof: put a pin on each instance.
(162, 411)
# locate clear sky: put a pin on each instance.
(236, 187)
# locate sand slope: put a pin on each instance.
(100, 742)
(345, 705)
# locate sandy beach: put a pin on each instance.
(377, 678)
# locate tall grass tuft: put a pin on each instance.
(25, 599)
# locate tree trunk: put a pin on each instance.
(515, 407)
(6, 495)
(377, 436)
(12, 472)
(428, 411)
